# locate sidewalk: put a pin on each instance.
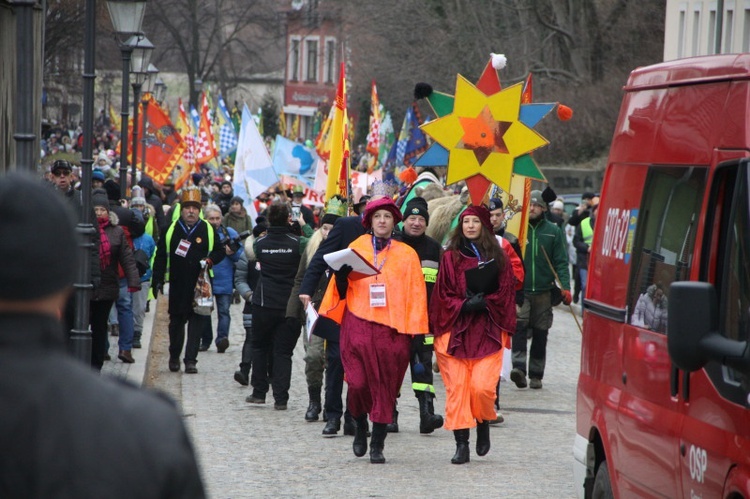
(135, 373)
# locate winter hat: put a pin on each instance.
(61, 164)
(112, 190)
(557, 204)
(197, 177)
(138, 201)
(496, 204)
(26, 253)
(417, 206)
(536, 198)
(380, 204)
(237, 199)
(99, 198)
(478, 211)
(97, 174)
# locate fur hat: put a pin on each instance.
(417, 206)
(191, 196)
(380, 204)
(26, 253)
(478, 211)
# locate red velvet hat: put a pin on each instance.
(380, 204)
(481, 212)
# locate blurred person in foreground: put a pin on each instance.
(62, 410)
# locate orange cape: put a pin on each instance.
(406, 295)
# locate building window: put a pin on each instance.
(330, 66)
(294, 60)
(746, 32)
(681, 35)
(312, 60)
(728, 31)
(696, 32)
(711, 32)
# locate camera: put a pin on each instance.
(235, 242)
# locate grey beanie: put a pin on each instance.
(28, 230)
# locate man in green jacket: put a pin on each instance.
(546, 255)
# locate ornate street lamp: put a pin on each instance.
(127, 18)
(153, 73)
(160, 90)
(139, 64)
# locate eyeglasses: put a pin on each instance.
(61, 173)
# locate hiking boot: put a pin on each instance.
(222, 344)
(519, 378)
(190, 368)
(174, 365)
(126, 356)
(252, 399)
(241, 377)
(332, 427)
(535, 383)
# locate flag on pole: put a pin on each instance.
(295, 128)
(282, 123)
(196, 117)
(114, 118)
(323, 140)
(339, 156)
(411, 141)
(227, 134)
(186, 164)
(253, 172)
(163, 143)
(373, 136)
(387, 137)
(205, 149)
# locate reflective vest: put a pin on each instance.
(587, 231)
(168, 241)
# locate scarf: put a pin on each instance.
(105, 250)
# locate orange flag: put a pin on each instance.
(205, 149)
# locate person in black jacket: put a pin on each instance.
(278, 254)
(189, 245)
(57, 410)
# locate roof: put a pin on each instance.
(689, 71)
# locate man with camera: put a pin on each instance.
(223, 281)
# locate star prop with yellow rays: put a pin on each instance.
(485, 133)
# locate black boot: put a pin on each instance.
(313, 410)
(462, 447)
(359, 446)
(393, 426)
(428, 420)
(377, 442)
(483, 438)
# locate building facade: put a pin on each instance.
(696, 27)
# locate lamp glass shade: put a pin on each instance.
(126, 15)
(140, 57)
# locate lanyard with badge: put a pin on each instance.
(377, 289)
(184, 245)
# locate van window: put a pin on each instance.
(730, 197)
(664, 242)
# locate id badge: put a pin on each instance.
(377, 295)
(182, 248)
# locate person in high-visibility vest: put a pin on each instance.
(187, 247)
(582, 241)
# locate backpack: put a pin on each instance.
(141, 261)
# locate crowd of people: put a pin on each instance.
(472, 303)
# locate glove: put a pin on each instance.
(475, 303)
(342, 279)
(133, 289)
(567, 298)
(157, 288)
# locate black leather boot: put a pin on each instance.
(483, 438)
(313, 410)
(393, 426)
(462, 447)
(377, 442)
(428, 420)
(359, 446)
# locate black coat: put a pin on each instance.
(67, 432)
(278, 254)
(184, 271)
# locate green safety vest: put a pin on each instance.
(587, 231)
(168, 238)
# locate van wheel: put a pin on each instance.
(602, 485)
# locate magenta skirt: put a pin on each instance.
(375, 359)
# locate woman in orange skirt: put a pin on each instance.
(472, 311)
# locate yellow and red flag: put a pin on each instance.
(323, 140)
(205, 147)
(282, 123)
(162, 142)
(295, 128)
(338, 168)
(186, 164)
(373, 136)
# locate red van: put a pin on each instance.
(663, 407)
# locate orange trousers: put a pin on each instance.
(469, 386)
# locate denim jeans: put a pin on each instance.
(124, 306)
(222, 308)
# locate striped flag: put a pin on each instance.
(187, 163)
(227, 133)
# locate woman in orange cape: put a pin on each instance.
(472, 326)
(377, 316)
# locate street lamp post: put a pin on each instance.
(25, 136)
(127, 18)
(139, 67)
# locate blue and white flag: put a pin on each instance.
(253, 172)
(227, 133)
(295, 160)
